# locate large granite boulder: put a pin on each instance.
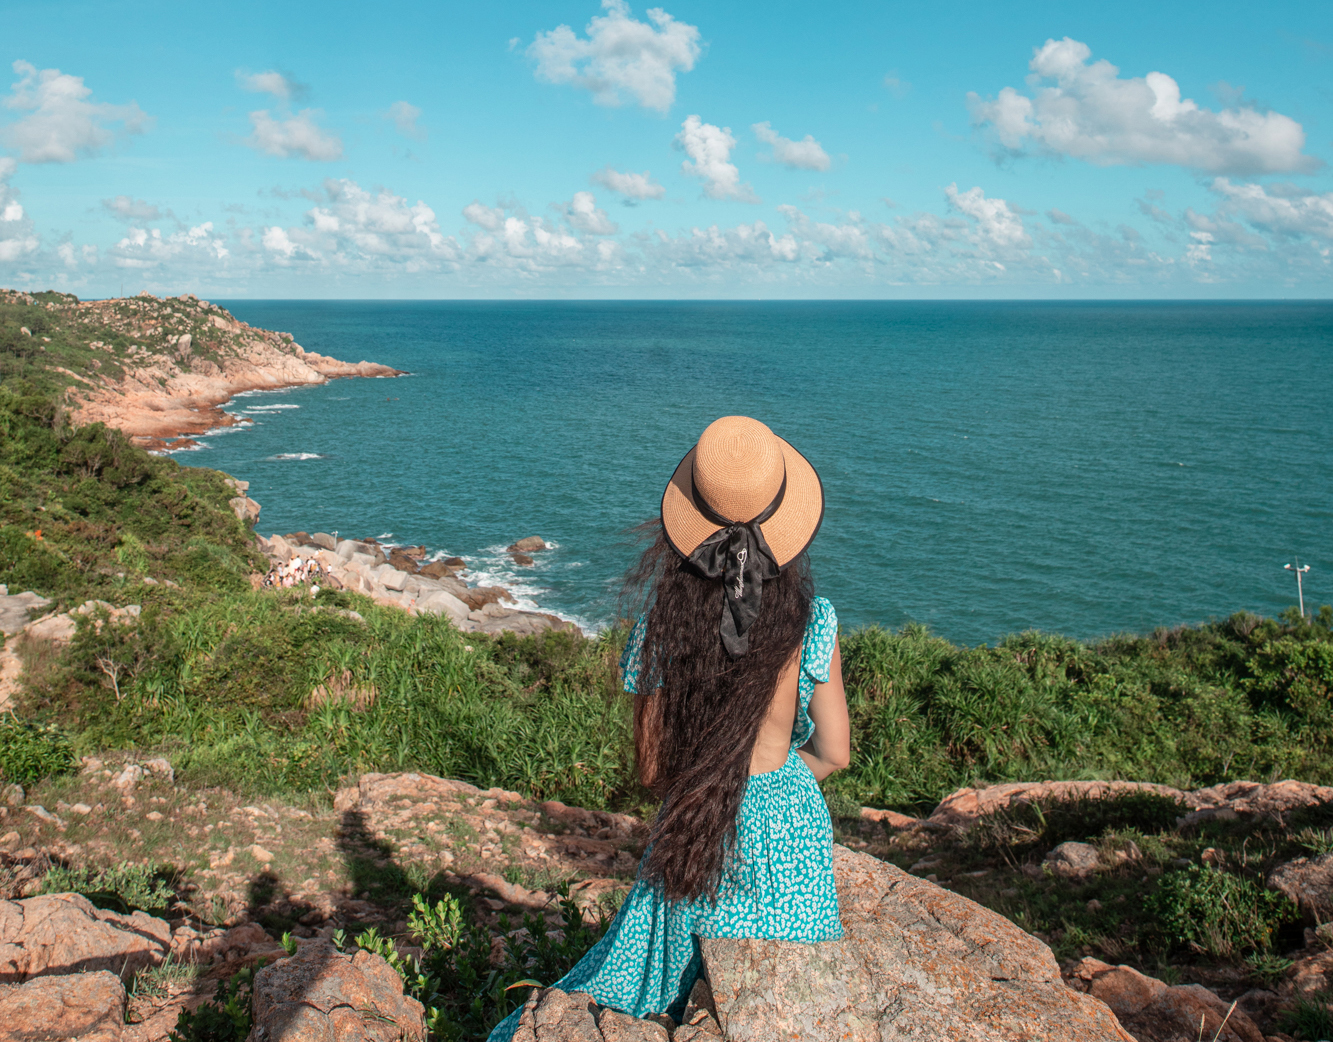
(65, 933)
(83, 1007)
(323, 994)
(917, 962)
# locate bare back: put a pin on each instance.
(829, 748)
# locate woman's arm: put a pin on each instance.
(830, 747)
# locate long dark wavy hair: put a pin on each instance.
(698, 712)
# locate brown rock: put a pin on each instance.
(621, 1027)
(1073, 860)
(1156, 1012)
(1231, 800)
(245, 508)
(917, 962)
(477, 597)
(403, 563)
(64, 933)
(528, 545)
(322, 994)
(522, 560)
(1308, 882)
(437, 570)
(891, 818)
(455, 562)
(87, 1007)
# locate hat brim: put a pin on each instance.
(788, 532)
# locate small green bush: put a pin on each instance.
(227, 1018)
(121, 888)
(1212, 911)
(31, 752)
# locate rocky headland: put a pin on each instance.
(160, 369)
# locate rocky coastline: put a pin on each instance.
(161, 369)
(402, 577)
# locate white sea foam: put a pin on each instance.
(295, 455)
(269, 408)
(495, 567)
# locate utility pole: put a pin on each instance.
(1300, 593)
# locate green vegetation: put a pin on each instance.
(121, 888)
(30, 752)
(1217, 912)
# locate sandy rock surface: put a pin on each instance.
(1157, 1012)
(65, 933)
(917, 962)
(86, 1007)
(1232, 800)
(323, 994)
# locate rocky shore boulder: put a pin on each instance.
(527, 545)
(65, 933)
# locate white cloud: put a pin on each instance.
(714, 247)
(271, 82)
(709, 149)
(297, 135)
(1282, 210)
(806, 154)
(62, 122)
(17, 238)
(620, 57)
(404, 117)
(827, 242)
(489, 217)
(145, 248)
(357, 227)
(996, 222)
(129, 209)
(631, 185)
(583, 215)
(1091, 113)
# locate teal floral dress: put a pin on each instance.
(780, 885)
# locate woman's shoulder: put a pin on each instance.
(822, 615)
(821, 632)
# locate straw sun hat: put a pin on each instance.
(739, 470)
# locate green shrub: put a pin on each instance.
(124, 888)
(30, 752)
(1212, 911)
(225, 1018)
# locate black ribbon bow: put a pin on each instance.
(739, 555)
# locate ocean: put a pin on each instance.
(1082, 468)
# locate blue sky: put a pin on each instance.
(571, 149)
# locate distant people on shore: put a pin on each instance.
(296, 572)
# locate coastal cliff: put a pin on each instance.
(162, 368)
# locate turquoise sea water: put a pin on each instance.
(1083, 468)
